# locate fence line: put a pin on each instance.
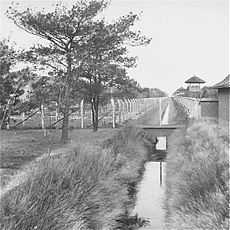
(116, 112)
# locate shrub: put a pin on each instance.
(197, 178)
(88, 189)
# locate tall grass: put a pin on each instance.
(88, 189)
(197, 179)
(180, 114)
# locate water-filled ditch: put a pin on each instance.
(150, 193)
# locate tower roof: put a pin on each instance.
(195, 79)
(223, 84)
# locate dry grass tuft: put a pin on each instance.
(87, 189)
(197, 179)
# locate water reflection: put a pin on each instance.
(150, 195)
(161, 143)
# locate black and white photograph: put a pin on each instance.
(114, 114)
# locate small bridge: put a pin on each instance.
(164, 132)
(161, 130)
(168, 124)
(164, 129)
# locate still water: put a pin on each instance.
(150, 195)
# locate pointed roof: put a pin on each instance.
(223, 84)
(195, 79)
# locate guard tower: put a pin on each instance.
(194, 84)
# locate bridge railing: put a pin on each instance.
(191, 105)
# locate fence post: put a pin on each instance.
(113, 113)
(82, 113)
(136, 105)
(132, 106)
(23, 118)
(43, 119)
(56, 114)
(127, 110)
(122, 111)
(119, 111)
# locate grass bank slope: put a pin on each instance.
(178, 113)
(197, 179)
(89, 188)
(20, 147)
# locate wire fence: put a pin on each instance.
(113, 114)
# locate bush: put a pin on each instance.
(88, 189)
(197, 179)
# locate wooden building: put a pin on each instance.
(194, 84)
(180, 92)
(223, 101)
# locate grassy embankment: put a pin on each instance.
(17, 148)
(197, 179)
(178, 113)
(90, 187)
(20, 147)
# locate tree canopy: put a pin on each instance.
(82, 47)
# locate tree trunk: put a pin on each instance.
(65, 123)
(6, 113)
(94, 106)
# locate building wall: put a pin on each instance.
(194, 87)
(209, 108)
(224, 108)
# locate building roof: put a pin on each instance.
(181, 89)
(195, 79)
(223, 84)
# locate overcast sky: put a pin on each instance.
(188, 37)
